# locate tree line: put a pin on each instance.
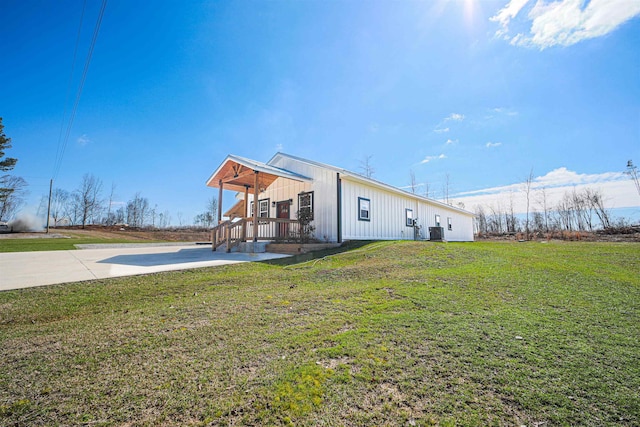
(582, 210)
(87, 204)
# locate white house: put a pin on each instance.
(344, 205)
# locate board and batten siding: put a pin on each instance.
(324, 187)
(388, 215)
(388, 207)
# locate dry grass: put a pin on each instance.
(391, 334)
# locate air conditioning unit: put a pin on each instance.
(436, 234)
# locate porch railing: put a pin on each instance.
(234, 232)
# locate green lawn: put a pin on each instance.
(408, 333)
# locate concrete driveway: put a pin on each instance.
(29, 269)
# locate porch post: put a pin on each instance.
(256, 190)
(246, 213)
(339, 207)
(220, 184)
(246, 201)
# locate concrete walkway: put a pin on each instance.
(29, 269)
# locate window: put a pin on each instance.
(449, 226)
(305, 203)
(437, 220)
(408, 216)
(364, 213)
(263, 208)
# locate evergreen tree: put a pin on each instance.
(5, 143)
(12, 188)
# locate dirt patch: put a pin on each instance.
(32, 235)
(118, 232)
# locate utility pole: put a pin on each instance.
(632, 171)
(49, 206)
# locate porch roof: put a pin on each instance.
(238, 173)
(237, 211)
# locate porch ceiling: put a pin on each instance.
(237, 173)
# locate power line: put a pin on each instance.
(60, 151)
(66, 98)
(74, 110)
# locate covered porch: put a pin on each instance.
(243, 224)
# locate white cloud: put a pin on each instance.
(279, 147)
(616, 187)
(560, 177)
(507, 13)
(451, 141)
(441, 130)
(493, 144)
(455, 117)
(564, 22)
(83, 140)
(430, 158)
(507, 111)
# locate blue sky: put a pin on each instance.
(481, 91)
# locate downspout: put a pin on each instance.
(339, 205)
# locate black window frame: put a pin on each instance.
(311, 198)
(260, 202)
(408, 220)
(438, 220)
(368, 210)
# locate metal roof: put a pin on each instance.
(344, 173)
(238, 173)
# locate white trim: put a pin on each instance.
(260, 167)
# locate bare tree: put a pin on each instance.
(366, 167)
(597, 202)
(564, 210)
(209, 216)
(87, 198)
(59, 205)
(511, 221)
(153, 214)
(632, 171)
(527, 190)
(164, 219)
(494, 220)
(119, 215)
(109, 218)
(137, 211)
(12, 194)
(578, 207)
(413, 186)
(445, 189)
(481, 219)
(538, 221)
(546, 209)
(212, 207)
